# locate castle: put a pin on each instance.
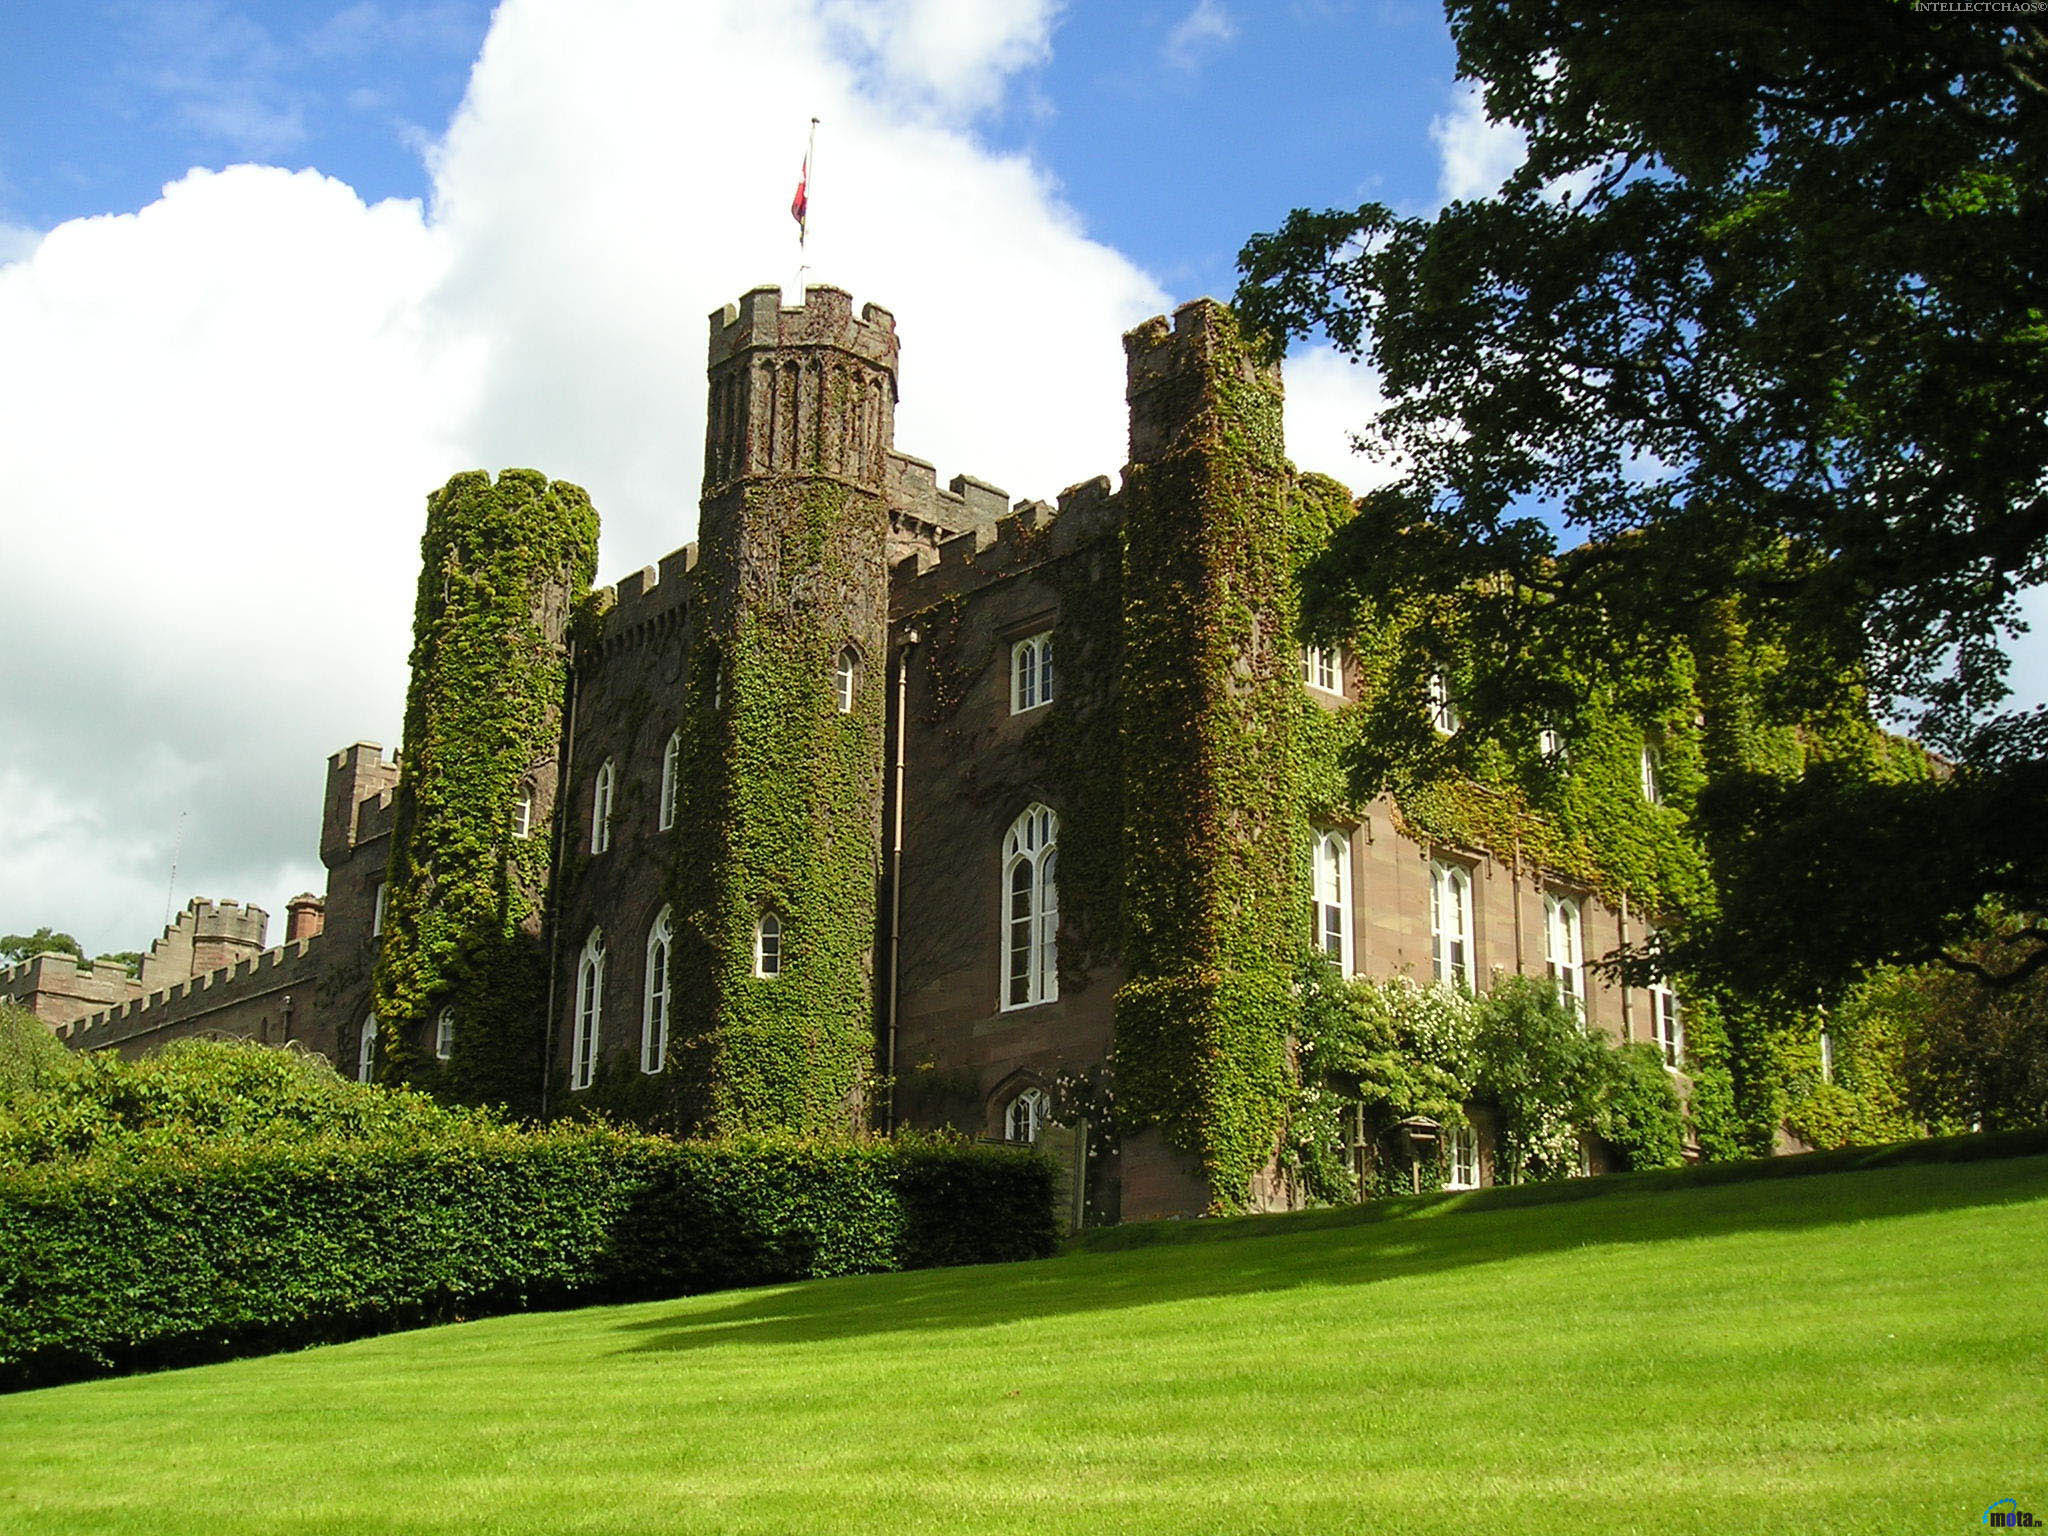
(884, 801)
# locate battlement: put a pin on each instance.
(194, 997)
(1032, 532)
(358, 774)
(645, 602)
(913, 492)
(1172, 370)
(824, 319)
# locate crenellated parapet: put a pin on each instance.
(803, 391)
(1029, 535)
(644, 605)
(357, 775)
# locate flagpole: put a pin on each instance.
(803, 222)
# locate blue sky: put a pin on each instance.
(1175, 130)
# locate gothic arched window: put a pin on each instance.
(1333, 898)
(1564, 948)
(768, 945)
(444, 1034)
(1031, 909)
(671, 780)
(589, 1004)
(654, 1005)
(1450, 923)
(366, 1050)
(1027, 1115)
(845, 679)
(601, 810)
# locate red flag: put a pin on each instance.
(800, 205)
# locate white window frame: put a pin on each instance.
(845, 679)
(1461, 1157)
(444, 1032)
(1030, 910)
(1031, 674)
(671, 780)
(1450, 953)
(1333, 899)
(377, 909)
(1827, 1056)
(1550, 746)
(655, 987)
(1564, 949)
(366, 1050)
(1647, 767)
(1322, 668)
(601, 808)
(768, 961)
(1442, 708)
(1033, 1109)
(1667, 1024)
(522, 817)
(587, 1005)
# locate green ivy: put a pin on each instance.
(780, 811)
(501, 565)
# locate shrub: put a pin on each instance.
(1640, 1114)
(227, 1199)
(31, 1058)
(1543, 1072)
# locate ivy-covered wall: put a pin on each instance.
(1215, 906)
(501, 565)
(782, 791)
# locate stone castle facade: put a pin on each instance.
(850, 809)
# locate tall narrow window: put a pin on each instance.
(366, 1050)
(589, 1011)
(1652, 791)
(444, 1034)
(1031, 915)
(1450, 923)
(1461, 1158)
(1827, 1057)
(768, 945)
(522, 817)
(1664, 1020)
(654, 1006)
(1550, 747)
(846, 679)
(1444, 718)
(1322, 668)
(1031, 673)
(377, 910)
(1564, 948)
(671, 779)
(1026, 1115)
(601, 810)
(1333, 898)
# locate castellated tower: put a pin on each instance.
(502, 566)
(781, 831)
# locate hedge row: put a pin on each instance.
(177, 1258)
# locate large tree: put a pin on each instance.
(1756, 339)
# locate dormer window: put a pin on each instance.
(1444, 718)
(1031, 673)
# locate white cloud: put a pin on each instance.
(225, 410)
(17, 241)
(1476, 154)
(1329, 401)
(1197, 36)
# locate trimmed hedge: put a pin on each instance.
(182, 1256)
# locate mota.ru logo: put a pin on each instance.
(2006, 1512)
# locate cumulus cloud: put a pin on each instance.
(225, 410)
(1475, 153)
(1197, 36)
(1329, 401)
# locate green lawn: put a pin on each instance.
(1850, 1352)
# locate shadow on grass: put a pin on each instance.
(1177, 1261)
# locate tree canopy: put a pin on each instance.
(20, 946)
(1754, 342)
